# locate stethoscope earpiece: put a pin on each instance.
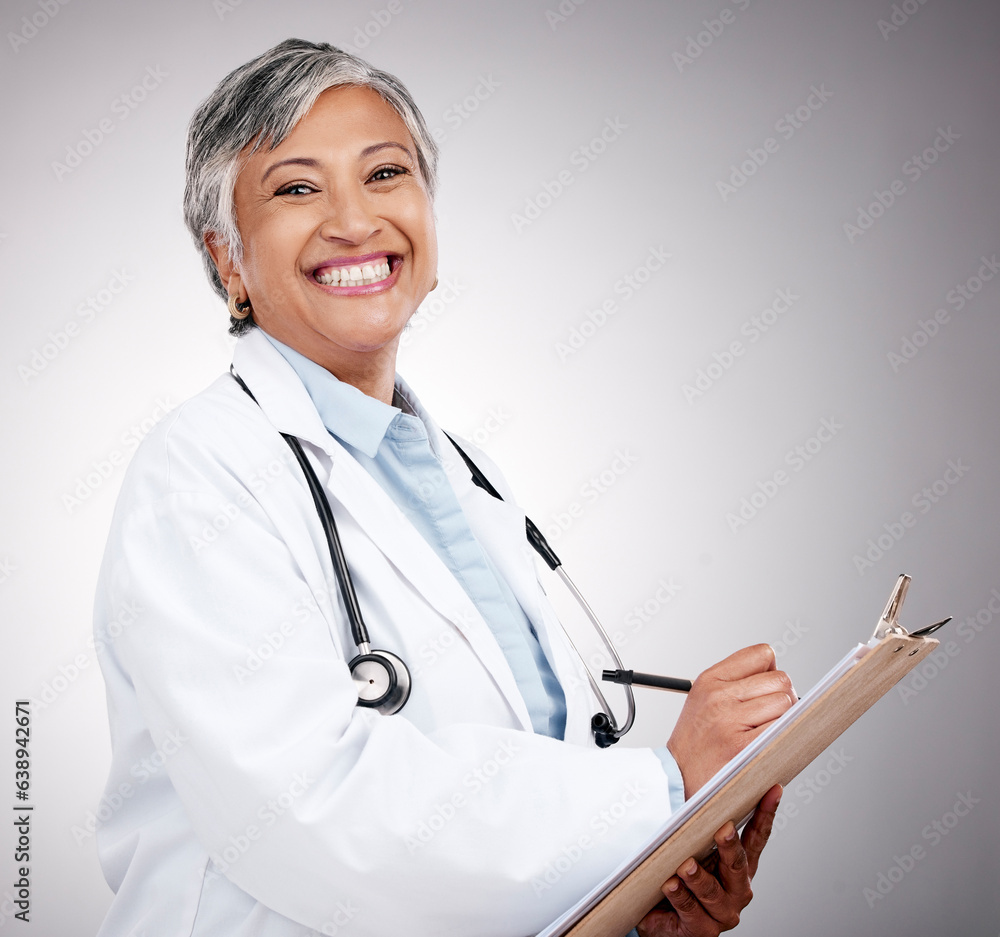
(382, 681)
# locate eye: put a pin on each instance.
(385, 173)
(296, 188)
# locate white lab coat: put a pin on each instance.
(248, 793)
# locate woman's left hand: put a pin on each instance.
(705, 900)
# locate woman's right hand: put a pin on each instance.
(729, 705)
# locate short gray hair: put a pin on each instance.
(259, 103)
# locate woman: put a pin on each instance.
(252, 794)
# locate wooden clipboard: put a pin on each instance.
(778, 762)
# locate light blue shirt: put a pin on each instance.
(394, 447)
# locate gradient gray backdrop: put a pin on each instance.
(516, 94)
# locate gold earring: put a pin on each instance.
(239, 310)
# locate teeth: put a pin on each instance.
(356, 275)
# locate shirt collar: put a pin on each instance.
(347, 413)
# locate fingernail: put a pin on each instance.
(690, 868)
(731, 835)
(673, 884)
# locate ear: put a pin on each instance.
(229, 271)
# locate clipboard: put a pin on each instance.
(776, 756)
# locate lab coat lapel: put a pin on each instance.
(287, 404)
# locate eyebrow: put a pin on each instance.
(374, 148)
(292, 161)
(314, 163)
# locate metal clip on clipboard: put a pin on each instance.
(889, 624)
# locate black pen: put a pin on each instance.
(634, 678)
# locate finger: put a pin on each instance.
(763, 709)
(662, 921)
(748, 735)
(748, 660)
(765, 683)
(758, 830)
(720, 906)
(692, 919)
(733, 867)
(772, 797)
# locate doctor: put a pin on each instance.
(249, 794)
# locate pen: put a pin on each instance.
(634, 678)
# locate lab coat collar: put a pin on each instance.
(279, 392)
(350, 414)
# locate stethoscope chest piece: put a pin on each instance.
(382, 681)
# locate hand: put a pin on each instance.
(708, 900)
(729, 705)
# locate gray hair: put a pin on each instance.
(260, 103)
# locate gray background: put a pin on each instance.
(485, 358)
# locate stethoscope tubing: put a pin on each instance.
(358, 630)
(611, 649)
(545, 551)
(606, 734)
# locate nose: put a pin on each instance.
(349, 217)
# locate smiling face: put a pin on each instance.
(339, 246)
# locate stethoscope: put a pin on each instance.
(382, 678)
